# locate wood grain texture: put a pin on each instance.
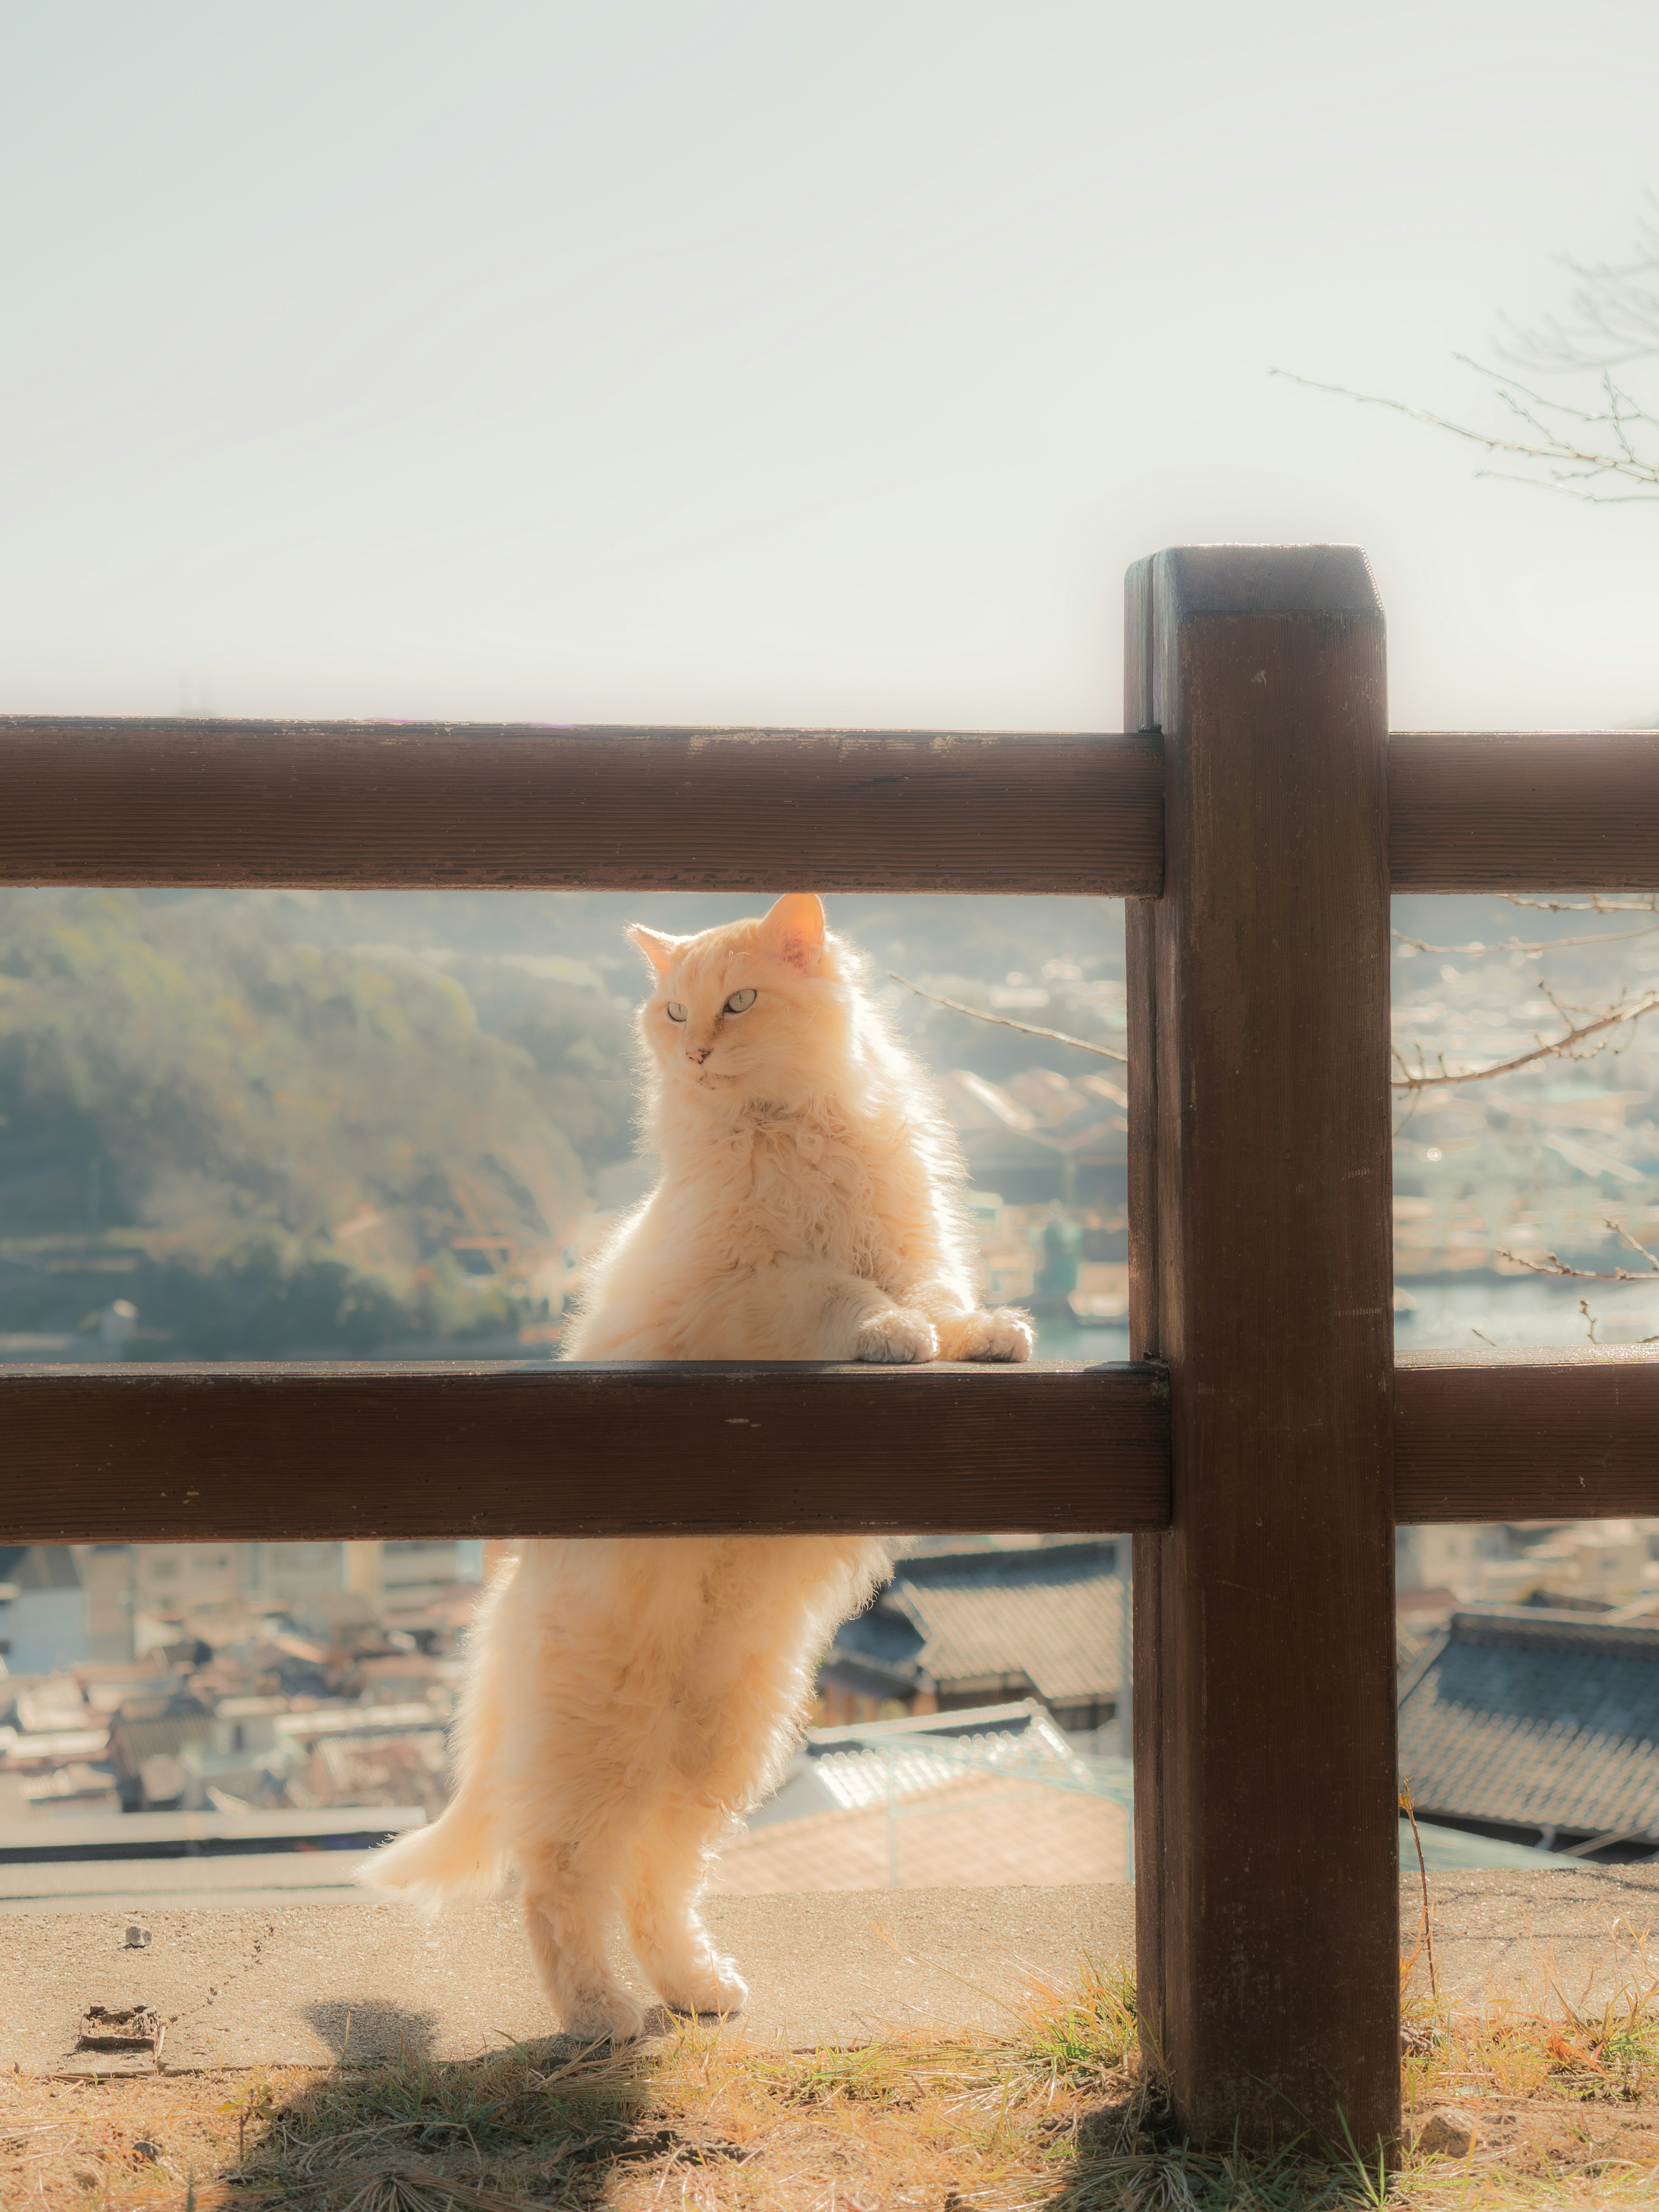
(504, 806)
(1526, 1435)
(493, 807)
(108, 1455)
(1565, 811)
(1266, 1825)
(156, 1454)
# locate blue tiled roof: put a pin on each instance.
(1051, 1616)
(1535, 1720)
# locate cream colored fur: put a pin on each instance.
(631, 1698)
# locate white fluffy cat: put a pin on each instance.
(632, 1697)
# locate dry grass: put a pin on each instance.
(1566, 2103)
(1563, 2095)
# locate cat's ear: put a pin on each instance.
(794, 930)
(661, 951)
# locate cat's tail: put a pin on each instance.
(458, 1859)
(462, 1856)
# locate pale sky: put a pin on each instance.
(798, 364)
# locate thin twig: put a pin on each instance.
(1027, 1028)
(1617, 312)
(1610, 1020)
(1552, 1264)
(1410, 1811)
(1572, 469)
(1543, 944)
(1597, 902)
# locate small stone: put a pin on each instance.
(1448, 2134)
(137, 1938)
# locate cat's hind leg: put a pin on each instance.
(665, 1877)
(574, 1809)
(572, 1805)
(569, 1903)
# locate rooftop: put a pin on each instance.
(1051, 1615)
(1528, 1718)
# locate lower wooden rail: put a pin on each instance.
(137, 1454)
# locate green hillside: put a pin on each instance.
(285, 1144)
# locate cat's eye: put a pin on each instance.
(740, 1002)
(675, 1012)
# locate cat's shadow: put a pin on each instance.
(550, 2116)
(359, 2034)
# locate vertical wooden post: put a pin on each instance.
(1267, 1832)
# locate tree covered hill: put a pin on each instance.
(234, 1108)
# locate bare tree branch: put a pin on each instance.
(1614, 317)
(1544, 944)
(1556, 1048)
(1028, 1029)
(1572, 467)
(1597, 902)
(1613, 320)
(1552, 1264)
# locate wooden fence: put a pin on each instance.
(1263, 1442)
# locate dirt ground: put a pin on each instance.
(1505, 2106)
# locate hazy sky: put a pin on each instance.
(800, 363)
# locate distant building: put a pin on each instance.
(1445, 1556)
(288, 1574)
(43, 1608)
(412, 1574)
(1042, 1135)
(106, 1575)
(1572, 1565)
(175, 1577)
(1538, 1726)
(146, 1746)
(981, 1627)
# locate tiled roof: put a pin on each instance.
(993, 1796)
(1535, 1720)
(1052, 1615)
(866, 1765)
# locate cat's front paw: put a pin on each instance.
(897, 1335)
(1000, 1332)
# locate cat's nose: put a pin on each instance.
(698, 1052)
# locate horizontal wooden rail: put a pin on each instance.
(494, 807)
(1526, 1435)
(503, 807)
(1558, 813)
(151, 1454)
(154, 1454)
